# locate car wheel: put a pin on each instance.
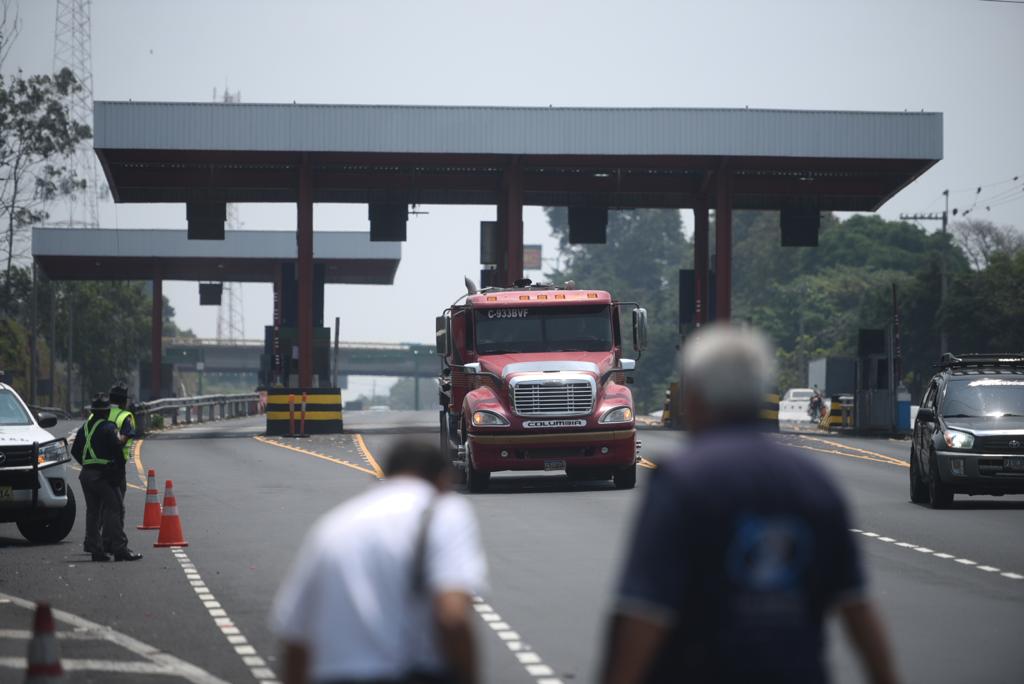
(940, 494)
(918, 487)
(625, 478)
(53, 530)
(476, 480)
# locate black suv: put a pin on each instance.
(969, 432)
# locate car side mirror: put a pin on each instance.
(926, 414)
(46, 420)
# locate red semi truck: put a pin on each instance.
(533, 378)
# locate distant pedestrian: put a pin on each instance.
(382, 588)
(98, 448)
(742, 546)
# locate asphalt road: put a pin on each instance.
(948, 582)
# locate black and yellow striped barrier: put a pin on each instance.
(320, 414)
(768, 415)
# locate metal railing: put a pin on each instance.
(188, 410)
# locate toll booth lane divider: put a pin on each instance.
(297, 411)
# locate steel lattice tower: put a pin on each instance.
(230, 315)
(72, 48)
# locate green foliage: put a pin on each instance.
(402, 394)
(640, 263)
(37, 133)
(14, 354)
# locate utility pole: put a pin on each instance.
(943, 285)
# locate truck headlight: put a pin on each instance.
(488, 419)
(54, 452)
(957, 439)
(622, 414)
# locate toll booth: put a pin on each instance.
(875, 408)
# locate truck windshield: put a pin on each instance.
(978, 397)
(543, 329)
(11, 410)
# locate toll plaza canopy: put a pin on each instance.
(800, 162)
(243, 255)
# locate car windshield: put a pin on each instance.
(543, 329)
(979, 397)
(11, 410)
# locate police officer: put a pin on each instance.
(121, 417)
(98, 447)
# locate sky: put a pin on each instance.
(959, 57)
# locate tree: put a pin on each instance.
(639, 263)
(37, 133)
(401, 397)
(981, 240)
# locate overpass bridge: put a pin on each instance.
(249, 357)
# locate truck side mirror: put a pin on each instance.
(640, 329)
(627, 364)
(441, 333)
(926, 415)
(472, 368)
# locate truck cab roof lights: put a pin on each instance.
(559, 296)
(524, 298)
(591, 295)
(492, 298)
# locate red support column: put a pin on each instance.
(723, 246)
(304, 240)
(511, 218)
(156, 332)
(700, 259)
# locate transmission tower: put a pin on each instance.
(72, 48)
(230, 314)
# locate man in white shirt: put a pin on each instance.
(382, 588)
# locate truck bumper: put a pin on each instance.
(974, 473)
(579, 450)
(16, 499)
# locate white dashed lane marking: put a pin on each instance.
(527, 657)
(252, 660)
(937, 554)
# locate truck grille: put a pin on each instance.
(553, 398)
(16, 456)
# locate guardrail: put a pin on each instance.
(187, 410)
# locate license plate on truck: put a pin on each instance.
(6, 492)
(554, 465)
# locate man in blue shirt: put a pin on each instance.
(742, 546)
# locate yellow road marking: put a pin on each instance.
(137, 458)
(135, 486)
(848, 455)
(840, 445)
(644, 463)
(347, 464)
(368, 456)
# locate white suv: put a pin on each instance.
(35, 472)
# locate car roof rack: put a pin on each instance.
(1007, 360)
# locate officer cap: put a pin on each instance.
(100, 402)
(118, 393)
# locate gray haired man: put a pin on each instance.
(742, 546)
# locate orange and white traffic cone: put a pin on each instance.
(170, 523)
(151, 514)
(43, 652)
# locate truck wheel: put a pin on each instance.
(940, 494)
(53, 530)
(625, 478)
(918, 487)
(476, 480)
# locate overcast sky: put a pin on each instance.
(959, 57)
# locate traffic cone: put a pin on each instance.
(170, 523)
(151, 514)
(43, 652)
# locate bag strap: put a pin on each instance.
(419, 556)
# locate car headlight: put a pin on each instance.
(488, 419)
(957, 439)
(622, 414)
(54, 452)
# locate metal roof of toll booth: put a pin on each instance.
(177, 152)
